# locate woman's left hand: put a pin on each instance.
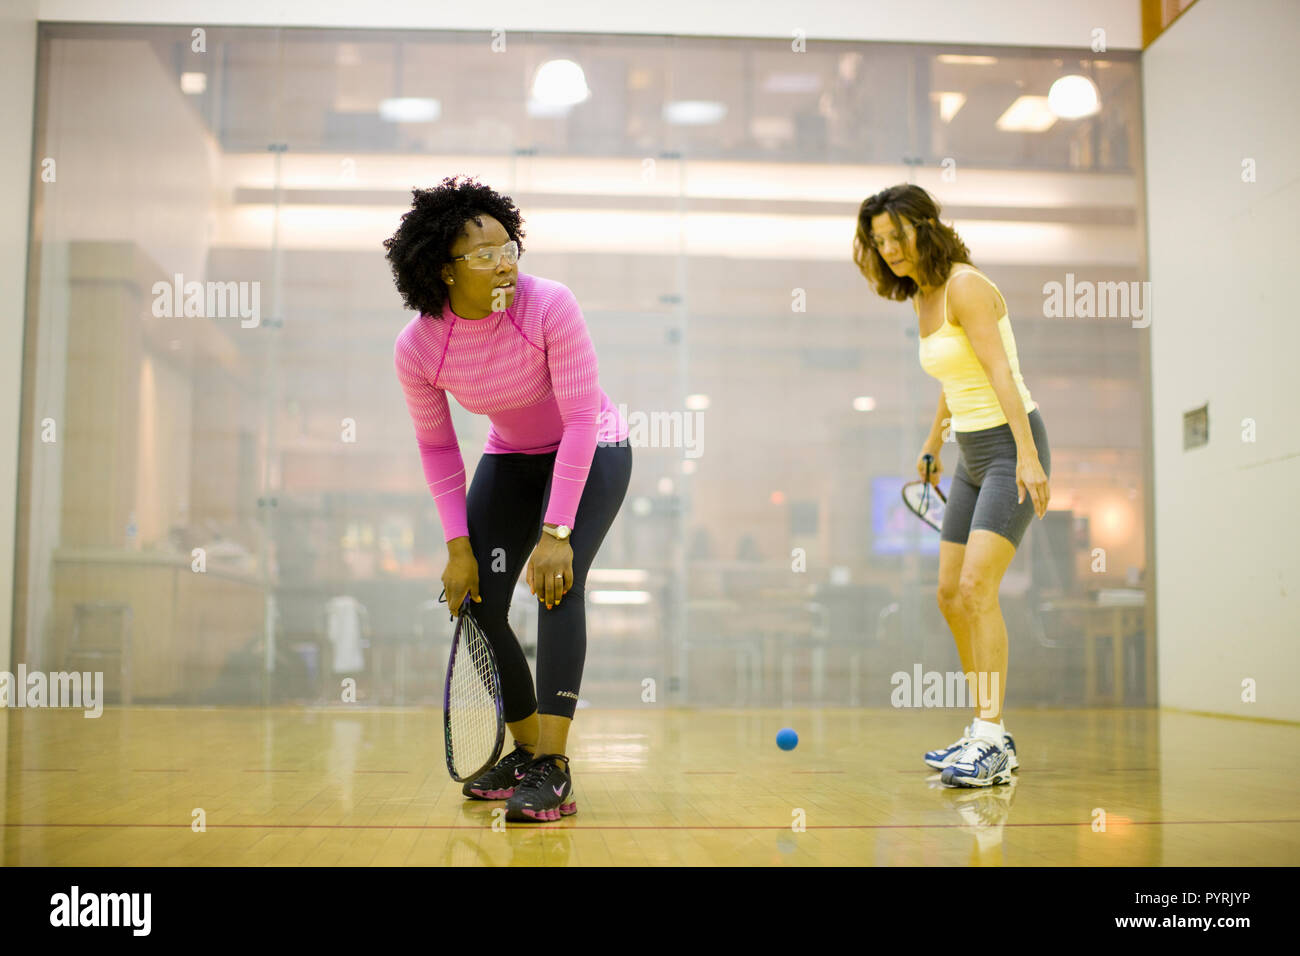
(550, 570)
(1030, 477)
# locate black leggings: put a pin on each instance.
(505, 506)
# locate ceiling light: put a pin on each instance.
(1028, 114)
(410, 109)
(560, 83)
(619, 597)
(959, 58)
(949, 104)
(1074, 96)
(618, 576)
(792, 83)
(694, 112)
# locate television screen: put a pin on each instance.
(894, 528)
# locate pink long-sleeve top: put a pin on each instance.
(531, 369)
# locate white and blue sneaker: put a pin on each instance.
(941, 758)
(944, 757)
(983, 763)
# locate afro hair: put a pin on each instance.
(422, 244)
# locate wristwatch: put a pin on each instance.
(559, 531)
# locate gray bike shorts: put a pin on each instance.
(983, 493)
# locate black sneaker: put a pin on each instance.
(499, 783)
(544, 794)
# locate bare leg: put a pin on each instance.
(987, 557)
(951, 556)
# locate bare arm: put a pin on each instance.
(976, 307)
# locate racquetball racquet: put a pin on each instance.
(924, 499)
(473, 718)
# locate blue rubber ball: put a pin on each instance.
(787, 739)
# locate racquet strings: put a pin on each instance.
(924, 499)
(472, 694)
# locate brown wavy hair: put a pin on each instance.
(937, 246)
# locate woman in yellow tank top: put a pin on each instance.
(1001, 479)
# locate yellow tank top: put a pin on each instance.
(947, 355)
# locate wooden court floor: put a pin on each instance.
(654, 787)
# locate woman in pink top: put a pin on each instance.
(551, 478)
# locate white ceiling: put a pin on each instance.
(1072, 25)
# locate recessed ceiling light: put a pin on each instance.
(619, 597)
(694, 112)
(960, 58)
(1028, 114)
(792, 83)
(949, 104)
(194, 83)
(410, 109)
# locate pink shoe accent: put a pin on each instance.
(550, 816)
(493, 794)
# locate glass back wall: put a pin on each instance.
(221, 491)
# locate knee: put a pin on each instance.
(492, 610)
(977, 592)
(949, 597)
(576, 596)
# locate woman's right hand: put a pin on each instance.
(936, 465)
(460, 577)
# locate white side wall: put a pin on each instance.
(17, 101)
(1219, 90)
(18, 54)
